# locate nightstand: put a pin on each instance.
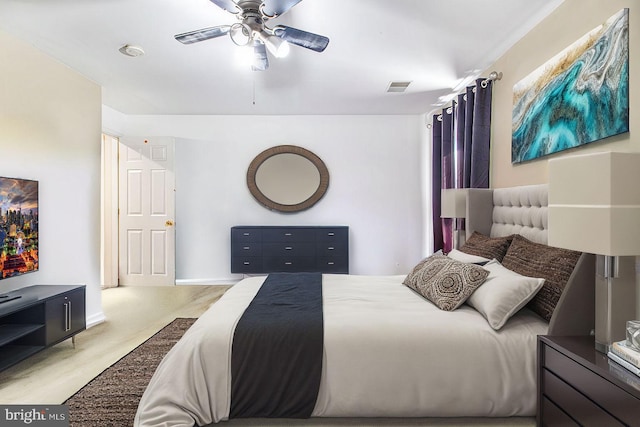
(578, 385)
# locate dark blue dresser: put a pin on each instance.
(275, 249)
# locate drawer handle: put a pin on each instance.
(288, 263)
(246, 234)
(67, 316)
(288, 248)
(331, 263)
(288, 234)
(331, 234)
(246, 263)
(246, 248)
(331, 248)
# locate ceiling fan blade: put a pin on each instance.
(227, 5)
(260, 60)
(277, 7)
(311, 41)
(203, 34)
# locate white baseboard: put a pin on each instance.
(208, 282)
(96, 319)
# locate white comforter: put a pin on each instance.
(388, 352)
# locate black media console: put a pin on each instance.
(37, 317)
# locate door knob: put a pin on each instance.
(169, 223)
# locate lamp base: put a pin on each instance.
(459, 238)
(615, 299)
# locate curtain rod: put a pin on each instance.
(493, 76)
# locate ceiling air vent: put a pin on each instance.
(398, 86)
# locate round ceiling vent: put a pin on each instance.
(131, 50)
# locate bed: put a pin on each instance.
(388, 351)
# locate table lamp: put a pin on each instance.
(453, 204)
(594, 207)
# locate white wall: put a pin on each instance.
(50, 125)
(375, 184)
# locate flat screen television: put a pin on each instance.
(18, 226)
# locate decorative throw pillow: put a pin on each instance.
(446, 282)
(464, 257)
(503, 294)
(487, 247)
(433, 262)
(554, 265)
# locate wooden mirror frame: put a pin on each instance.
(287, 149)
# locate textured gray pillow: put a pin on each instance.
(554, 265)
(446, 282)
(434, 262)
(487, 247)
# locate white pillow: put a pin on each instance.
(503, 294)
(464, 257)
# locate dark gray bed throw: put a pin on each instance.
(276, 359)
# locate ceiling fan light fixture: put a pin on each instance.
(240, 34)
(245, 56)
(275, 45)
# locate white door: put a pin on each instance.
(146, 211)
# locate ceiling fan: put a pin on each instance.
(251, 30)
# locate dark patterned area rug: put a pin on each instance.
(111, 398)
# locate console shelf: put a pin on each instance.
(9, 333)
(12, 354)
(37, 317)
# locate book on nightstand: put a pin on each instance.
(624, 351)
(620, 361)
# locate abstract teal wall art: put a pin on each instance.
(579, 96)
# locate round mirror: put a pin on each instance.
(287, 178)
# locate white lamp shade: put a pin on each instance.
(594, 203)
(453, 203)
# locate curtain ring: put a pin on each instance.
(484, 83)
(449, 110)
(439, 118)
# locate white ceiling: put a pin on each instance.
(432, 43)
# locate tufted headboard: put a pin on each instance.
(504, 211)
(523, 210)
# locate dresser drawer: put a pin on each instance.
(244, 235)
(567, 398)
(333, 265)
(246, 249)
(289, 249)
(552, 416)
(289, 264)
(242, 264)
(610, 397)
(288, 235)
(332, 235)
(332, 249)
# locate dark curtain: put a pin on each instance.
(436, 181)
(461, 145)
(481, 135)
(448, 172)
